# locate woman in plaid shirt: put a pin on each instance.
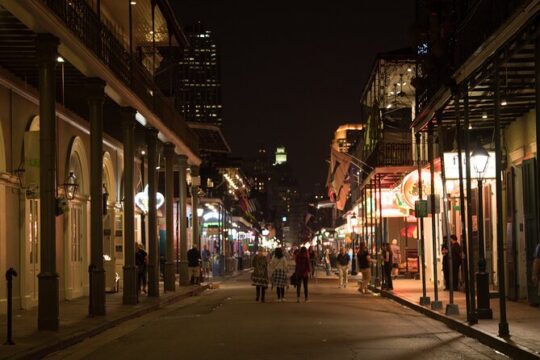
(278, 266)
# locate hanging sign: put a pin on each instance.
(141, 200)
(410, 187)
(451, 168)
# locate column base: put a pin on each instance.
(436, 305)
(97, 295)
(504, 331)
(153, 280)
(482, 289)
(452, 309)
(425, 300)
(48, 302)
(129, 295)
(184, 273)
(484, 313)
(169, 277)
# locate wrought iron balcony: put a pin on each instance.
(84, 23)
(391, 154)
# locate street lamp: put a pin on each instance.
(479, 159)
(354, 223)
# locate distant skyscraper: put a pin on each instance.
(281, 155)
(198, 96)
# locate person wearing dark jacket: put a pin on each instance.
(456, 258)
(343, 261)
(302, 271)
(194, 268)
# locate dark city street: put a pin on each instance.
(334, 324)
(238, 179)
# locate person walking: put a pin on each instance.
(206, 266)
(387, 266)
(141, 259)
(456, 253)
(279, 277)
(194, 268)
(327, 263)
(343, 261)
(302, 271)
(396, 257)
(364, 262)
(259, 277)
(312, 260)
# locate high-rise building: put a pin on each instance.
(198, 96)
(281, 155)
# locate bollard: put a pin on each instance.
(9, 277)
(91, 268)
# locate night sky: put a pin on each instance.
(291, 73)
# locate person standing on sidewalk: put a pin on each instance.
(206, 266)
(387, 266)
(279, 277)
(396, 257)
(302, 271)
(457, 256)
(259, 277)
(446, 265)
(194, 267)
(343, 261)
(364, 261)
(141, 259)
(536, 268)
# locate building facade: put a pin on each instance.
(82, 122)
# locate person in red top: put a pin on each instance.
(303, 269)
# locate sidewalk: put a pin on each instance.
(76, 325)
(523, 320)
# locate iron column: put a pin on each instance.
(470, 250)
(169, 273)
(96, 97)
(182, 239)
(48, 297)
(153, 245)
(435, 304)
(130, 270)
(424, 299)
(504, 330)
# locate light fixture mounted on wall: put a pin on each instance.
(70, 186)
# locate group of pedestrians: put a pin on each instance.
(276, 273)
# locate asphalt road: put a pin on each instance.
(227, 323)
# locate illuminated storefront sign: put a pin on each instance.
(451, 167)
(409, 187)
(141, 200)
(390, 202)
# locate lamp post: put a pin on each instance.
(479, 159)
(354, 223)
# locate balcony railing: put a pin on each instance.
(391, 154)
(84, 23)
(485, 17)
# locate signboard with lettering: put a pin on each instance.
(451, 168)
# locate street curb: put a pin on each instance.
(507, 347)
(42, 351)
